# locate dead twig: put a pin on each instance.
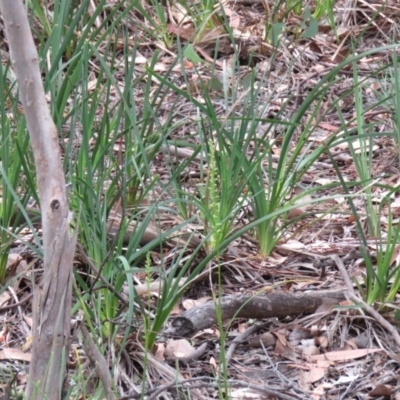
(98, 361)
(356, 299)
(238, 340)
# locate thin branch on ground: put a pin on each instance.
(356, 299)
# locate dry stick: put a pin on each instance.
(257, 306)
(23, 324)
(238, 340)
(98, 361)
(20, 303)
(352, 296)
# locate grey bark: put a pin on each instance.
(52, 297)
(276, 305)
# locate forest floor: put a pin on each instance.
(315, 337)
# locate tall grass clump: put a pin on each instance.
(298, 153)
(381, 280)
(107, 157)
(244, 168)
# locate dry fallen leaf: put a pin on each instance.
(14, 354)
(214, 364)
(178, 349)
(159, 354)
(381, 391)
(189, 303)
(343, 356)
(313, 375)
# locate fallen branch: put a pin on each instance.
(258, 307)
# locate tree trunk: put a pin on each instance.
(52, 297)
